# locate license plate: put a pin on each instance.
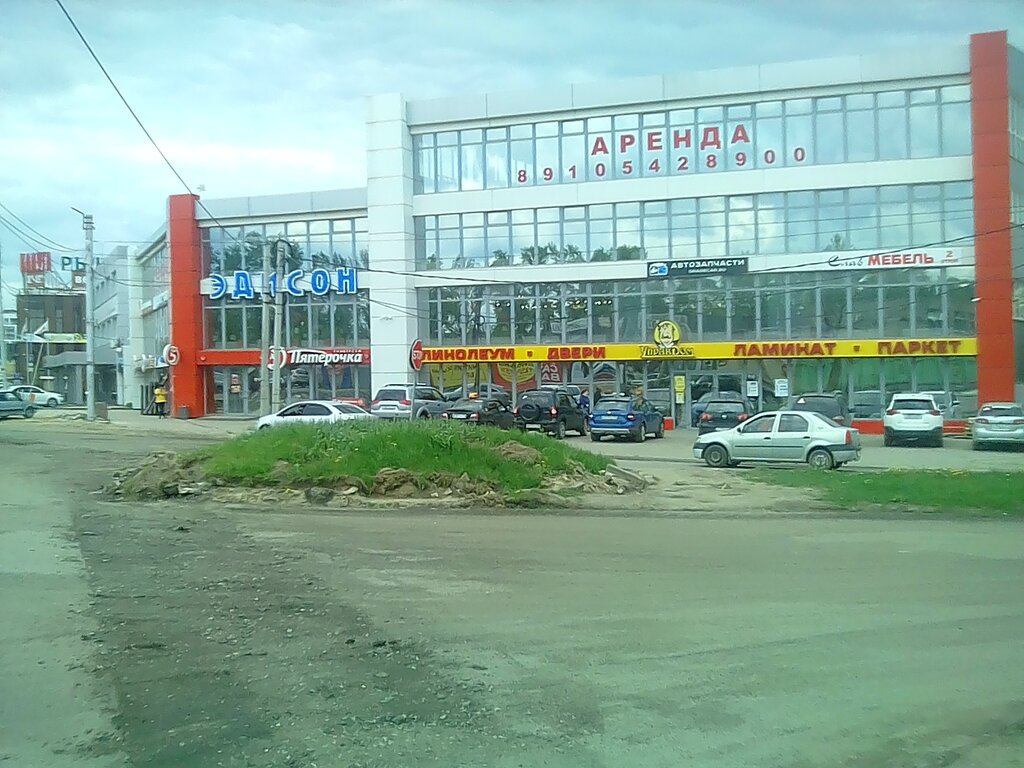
(912, 415)
(458, 415)
(1003, 427)
(607, 418)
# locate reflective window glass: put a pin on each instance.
(574, 151)
(655, 144)
(924, 130)
(496, 152)
(681, 141)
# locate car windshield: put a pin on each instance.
(826, 405)
(392, 394)
(912, 404)
(996, 411)
(718, 406)
(468, 404)
(612, 404)
(941, 399)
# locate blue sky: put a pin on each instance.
(257, 97)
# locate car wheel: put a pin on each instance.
(716, 456)
(584, 428)
(30, 412)
(595, 438)
(887, 440)
(938, 442)
(820, 458)
(51, 403)
(975, 445)
(560, 431)
(641, 434)
(660, 431)
(264, 426)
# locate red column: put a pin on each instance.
(990, 115)
(186, 303)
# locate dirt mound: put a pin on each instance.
(514, 451)
(161, 475)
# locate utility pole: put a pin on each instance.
(90, 321)
(3, 328)
(275, 405)
(265, 334)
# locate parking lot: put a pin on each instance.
(956, 453)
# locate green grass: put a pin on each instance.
(934, 490)
(325, 455)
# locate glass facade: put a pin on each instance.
(863, 127)
(310, 322)
(308, 245)
(860, 218)
(893, 303)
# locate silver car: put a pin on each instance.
(12, 405)
(781, 437)
(998, 424)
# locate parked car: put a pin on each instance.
(867, 404)
(313, 412)
(483, 390)
(912, 417)
(12, 405)
(625, 416)
(554, 411)
(946, 402)
(998, 424)
(780, 437)
(573, 389)
(723, 414)
(831, 406)
(485, 411)
(702, 402)
(404, 401)
(38, 396)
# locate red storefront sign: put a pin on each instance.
(36, 263)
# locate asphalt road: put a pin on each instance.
(193, 634)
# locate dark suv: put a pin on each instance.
(554, 411)
(832, 406)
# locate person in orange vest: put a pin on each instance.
(160, 399)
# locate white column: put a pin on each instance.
(389, 186)
(135, 344)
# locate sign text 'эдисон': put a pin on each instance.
(242, 284)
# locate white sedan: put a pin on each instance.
(38, 396)
(313, 412)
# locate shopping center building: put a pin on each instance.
(837, 225)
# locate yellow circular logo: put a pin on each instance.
(667, 335)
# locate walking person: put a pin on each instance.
(160, 399)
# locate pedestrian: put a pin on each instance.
(160, 399)
(585, 400)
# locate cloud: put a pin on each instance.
(255, 96)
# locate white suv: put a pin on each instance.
(913, 417)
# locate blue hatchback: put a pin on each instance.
(624, 416)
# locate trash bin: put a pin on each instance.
(101, 411)
(183, 412)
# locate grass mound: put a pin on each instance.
(432, 453)
(938, 490)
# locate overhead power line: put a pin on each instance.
(43, 238)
